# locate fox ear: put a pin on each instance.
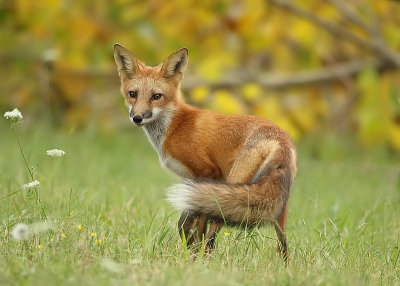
(127, 63)
(176, 63)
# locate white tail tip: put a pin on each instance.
(179, 195)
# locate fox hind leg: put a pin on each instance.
(186, 224)
(211, 235)
(194, 226)
(195, 229)
(248, 167)
(280, 225)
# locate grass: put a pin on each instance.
(343, 228)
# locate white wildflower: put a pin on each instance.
(14, 115)
(55, 153)
(20, 231)
(31, 185)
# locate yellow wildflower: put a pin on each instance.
(93, 234)
(227, 233)
(79, 226)
(63, 235)
(40, 246)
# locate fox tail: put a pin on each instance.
(259, 201)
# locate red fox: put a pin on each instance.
(236, 170)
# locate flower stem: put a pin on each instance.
(22, 152)
(29, 170)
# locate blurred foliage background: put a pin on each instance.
(316, 68)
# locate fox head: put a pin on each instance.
(150, 91)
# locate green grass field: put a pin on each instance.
(343, 228)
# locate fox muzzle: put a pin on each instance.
(137, 118)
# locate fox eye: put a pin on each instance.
(132, 94)
(156, 96)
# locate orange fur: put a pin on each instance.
(249, 162)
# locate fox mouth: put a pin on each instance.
(143, 123)
(137, 124)
(147, 117)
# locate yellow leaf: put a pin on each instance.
(305, 118)
(302, 31)
(223, 101)
(212, 66)
(200, 94)
(372, 113)
(270, 107)
(251, 91)
(394, 136)
(248, 15)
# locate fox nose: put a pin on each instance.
(137, 119)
